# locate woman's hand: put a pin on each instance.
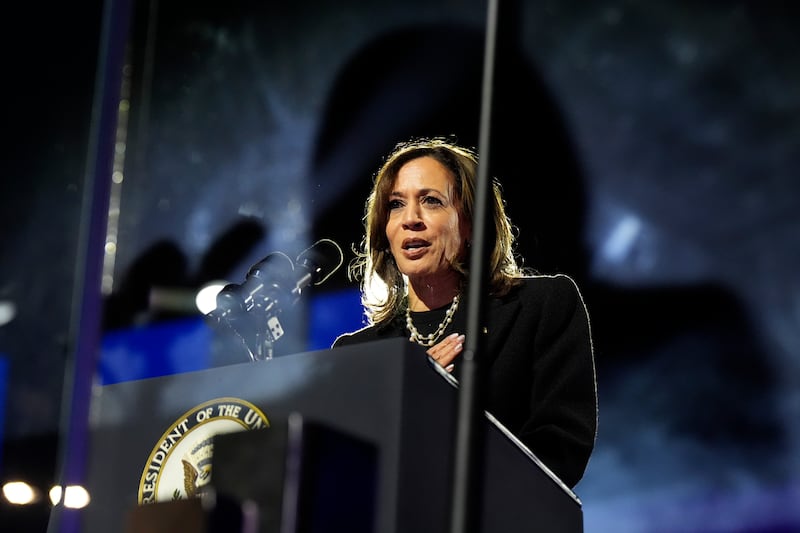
(447, 350)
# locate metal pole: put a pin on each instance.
(466, 511)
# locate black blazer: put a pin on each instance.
(541, 383)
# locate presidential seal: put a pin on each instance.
(180, 463)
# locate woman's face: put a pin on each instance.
(423, 228)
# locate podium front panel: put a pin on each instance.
(385, 392)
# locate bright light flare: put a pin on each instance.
(75, 497)
(206, 299)
(8, 311)
(20, 493)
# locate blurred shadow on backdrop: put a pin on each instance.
(164, 265)
(426, 80)
(158, 292)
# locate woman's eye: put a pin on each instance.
(432, 200)
(395, 204)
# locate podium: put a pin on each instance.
(385, 395)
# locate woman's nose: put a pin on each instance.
(411, 216)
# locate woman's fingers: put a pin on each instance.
(446, 351)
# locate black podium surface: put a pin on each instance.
(386, 393)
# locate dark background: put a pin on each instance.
(648, 150)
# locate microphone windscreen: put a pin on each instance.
(321, 259)
(275, 266)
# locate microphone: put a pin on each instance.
(260, 290)
(251, 308)
(319, 261)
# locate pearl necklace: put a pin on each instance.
(428, 340)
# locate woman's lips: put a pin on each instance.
(413, 248)
(414, 253)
